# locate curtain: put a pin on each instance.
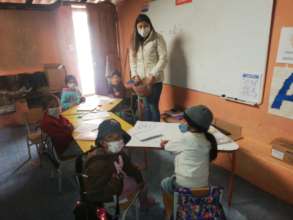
(102, 19)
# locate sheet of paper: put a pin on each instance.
(88, 136)
(285, 52)
(220, 137)
(143, 130)
(250, 87)
(97, 115)
(93, 102)
(88, 126)
(228, 146)
(87, 107)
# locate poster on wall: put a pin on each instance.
(285, 52)
(181, 2)
(281, 96)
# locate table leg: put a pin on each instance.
(146, 163)
(231, 179)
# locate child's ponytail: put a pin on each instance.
(214, 146)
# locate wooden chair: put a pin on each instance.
(57, 161)
(34, 135)
(170, 200)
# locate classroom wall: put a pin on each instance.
(27, 40)
(127, 13)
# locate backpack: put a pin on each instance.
(207, 207)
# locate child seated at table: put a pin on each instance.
(116, 87)
(110, 171)
(71, 95)
(58, 128)
(193, 151)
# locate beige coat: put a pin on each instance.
(150, 59)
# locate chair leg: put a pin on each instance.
(168, 204)
(59, 175)
(28, 149)
(38, 148)
(137, 210)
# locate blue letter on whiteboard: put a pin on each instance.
(282, 95)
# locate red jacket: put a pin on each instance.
(60, 130)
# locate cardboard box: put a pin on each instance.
(56, 74)
(282, 149)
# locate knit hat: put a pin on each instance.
(199, 116)
(110, 126)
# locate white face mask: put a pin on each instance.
(144, 32)
(115, 146)
(71, 85)
(54, 112)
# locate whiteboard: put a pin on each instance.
(216, 46)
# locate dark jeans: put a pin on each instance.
(151, 103)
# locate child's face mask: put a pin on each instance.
(183, 128)
(54, 112)
(115, 146)
(71, 85)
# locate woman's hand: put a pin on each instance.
(163, 143)
(136, 79)
(150, 80)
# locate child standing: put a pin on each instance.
(71, 95)
(116, 89)
(193, 151)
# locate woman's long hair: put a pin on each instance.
(137, 40)
(210, 137)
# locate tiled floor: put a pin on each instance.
(27, 192)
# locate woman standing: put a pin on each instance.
(148, 58)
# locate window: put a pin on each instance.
(83, 47)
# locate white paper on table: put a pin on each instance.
(99, 100)
(91, 116)
(87, 136)
(92, 102)
(88, 126)
(220, 137)
(87, 107)
(232, 146)
(143, 130)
